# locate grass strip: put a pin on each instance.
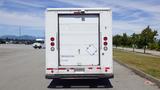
(146, 63)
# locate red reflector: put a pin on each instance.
(105, 38)
(98, 67)
(52, 38)
(105, 43)
(61, 68)
(90, 68)
(52, 44)
(106, 69)
(49, 68)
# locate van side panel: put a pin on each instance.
(51, 31)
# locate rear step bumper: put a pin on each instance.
(79, 76)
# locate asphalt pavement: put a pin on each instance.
(23, 68)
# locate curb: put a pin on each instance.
(138, 52)
(140, 73)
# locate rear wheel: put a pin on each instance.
(40, 47)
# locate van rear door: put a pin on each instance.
(78, 39)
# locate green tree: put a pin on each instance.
(117, 40)
(158, 48)
(134, 40)
(147, 36)
(124, 39)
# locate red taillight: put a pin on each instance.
(61, 68)
(105, 43)
(98, 67)
(52, 38)
(105, 38)
(49, 68)
(106, 69)
(52, 44)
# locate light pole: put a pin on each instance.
(19, 32)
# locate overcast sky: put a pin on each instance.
(128, 15)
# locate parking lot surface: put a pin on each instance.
(23, 68)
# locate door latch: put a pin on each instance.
(79, 51)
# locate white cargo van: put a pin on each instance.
(39, 43)
(78, 43)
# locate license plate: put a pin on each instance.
(79, 69)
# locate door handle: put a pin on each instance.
(100, 40)
(79, 51)
(57, 40)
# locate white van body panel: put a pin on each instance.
(78, 47)
(73, 51)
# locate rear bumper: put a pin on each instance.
(79, 76)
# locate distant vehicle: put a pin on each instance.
(78, 43)
(39, 43)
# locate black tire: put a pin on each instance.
(93, 86)
(40, 47)
(66, 86)
(35, 47)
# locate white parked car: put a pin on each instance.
(39, 43)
